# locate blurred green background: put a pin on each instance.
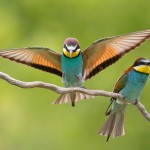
(28, 120)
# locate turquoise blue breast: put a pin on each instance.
(135, 85)
(72, 71)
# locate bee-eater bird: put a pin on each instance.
(75, 66)
(130, 85)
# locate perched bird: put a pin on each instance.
(130, 85)
(75, 66)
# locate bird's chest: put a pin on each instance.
(72, 71)
(135, 85)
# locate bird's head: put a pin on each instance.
(71, 48)
(142, 65)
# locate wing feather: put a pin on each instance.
(37, 57)
(105, 52)
(121, 83)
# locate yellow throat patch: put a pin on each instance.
(143, 69)
(74, 54)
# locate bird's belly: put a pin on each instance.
(134, 87)
(131, 92)
(72, 72)
(73, 79)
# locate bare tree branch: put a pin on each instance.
(143, 111)
(61, 90)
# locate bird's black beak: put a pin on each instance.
(71, 51)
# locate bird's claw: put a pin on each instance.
(77, 77)
(124, 98)
(135, 102)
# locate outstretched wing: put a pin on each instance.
(37, 57)
(105, 52)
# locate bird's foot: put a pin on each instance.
(77, 77)
(135, 101)
(124, 98)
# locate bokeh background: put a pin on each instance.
(28, 120)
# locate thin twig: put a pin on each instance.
(61, 90)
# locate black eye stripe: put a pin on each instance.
(140, 63)
(77, 47)
(66, 48)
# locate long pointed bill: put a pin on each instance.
(71, 51)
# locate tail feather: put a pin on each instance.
(115, 123)
(108, 127)
(119, 127)
(72, 98)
